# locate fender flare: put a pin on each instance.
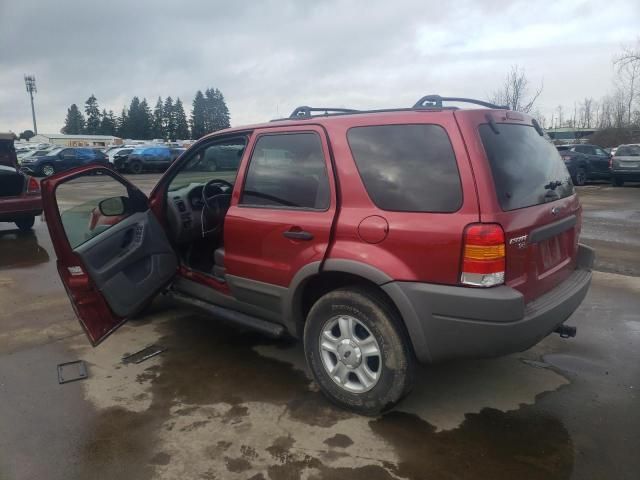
(409, 316)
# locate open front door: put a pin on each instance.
(113, 255)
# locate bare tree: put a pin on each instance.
(514, 92)
(560, 117)
(628, 67)
(586, 113)
(631, 54)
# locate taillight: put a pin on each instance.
(33, 186)
(483, 255)
(610, 163)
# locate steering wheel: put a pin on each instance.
(210, 194)
(216, 196)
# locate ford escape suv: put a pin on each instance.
(380, 238)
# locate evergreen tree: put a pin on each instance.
(132, 119)
(107, 123)
(74, 123)
(122, 124)
(146, 120)
(93, 116)
(169, 122)
(158, 120)
(216, 111)
(221, 118)
(182, 127)
(198, 116)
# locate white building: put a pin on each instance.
(76, 140)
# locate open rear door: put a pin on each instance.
(113, 255)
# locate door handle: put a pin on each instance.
(298, 235)
(127, 238)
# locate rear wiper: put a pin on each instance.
(492, 124)
(553, 184)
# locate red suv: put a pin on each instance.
(382, 238)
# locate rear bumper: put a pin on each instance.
(627, 175)
(446, 322)
(12, 208)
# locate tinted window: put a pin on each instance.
(525, 166)
(287, 171)
(407, 167)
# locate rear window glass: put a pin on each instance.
(628, 151)
(527, 170)
(409, 168)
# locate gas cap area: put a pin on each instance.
(373, 229)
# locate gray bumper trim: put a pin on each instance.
(451, 322)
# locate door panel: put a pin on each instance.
(129, 261)
(112, 257)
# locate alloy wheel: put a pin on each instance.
(350, 354)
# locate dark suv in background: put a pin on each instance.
(60, 159)
(147, 158)
(586, 162)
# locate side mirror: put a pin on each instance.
(114, 206)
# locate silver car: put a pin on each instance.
(625, 164)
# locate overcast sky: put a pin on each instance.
(271, 56)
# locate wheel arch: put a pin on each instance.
(315, 280)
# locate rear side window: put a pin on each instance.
(288, 171)
(409, 168)
(527, 169)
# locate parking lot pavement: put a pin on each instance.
(225, 403)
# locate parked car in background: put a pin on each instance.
(20, 200)
(33, 154)
(586, 162)
(379, 238)
(625, 164)
(145, 158)
(62, 158)
(120, 151)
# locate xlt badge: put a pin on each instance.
(521, 241)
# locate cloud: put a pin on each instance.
(271, 56)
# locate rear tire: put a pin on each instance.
(135, 167)
(367, 365)
(47, 169)
(617, 182)
(581, 177)
(25, 224)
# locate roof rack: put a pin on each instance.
(305, 111)
(435, 101)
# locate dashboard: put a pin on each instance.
(185, 211)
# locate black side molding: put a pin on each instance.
(553, 229)
(268, 328)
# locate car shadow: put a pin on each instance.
(21, 249)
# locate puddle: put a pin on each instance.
(219, 403)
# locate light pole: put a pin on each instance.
(30, 82)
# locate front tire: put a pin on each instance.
(617, 182)
(358, 350)
(581, 177)
(47, 169)
(135, 167)
(25, 224)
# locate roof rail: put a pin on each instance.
(435, 101)
(305, 111)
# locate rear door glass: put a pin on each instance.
(409, 168)
(527, 170)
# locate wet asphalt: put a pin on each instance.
(224, 403)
